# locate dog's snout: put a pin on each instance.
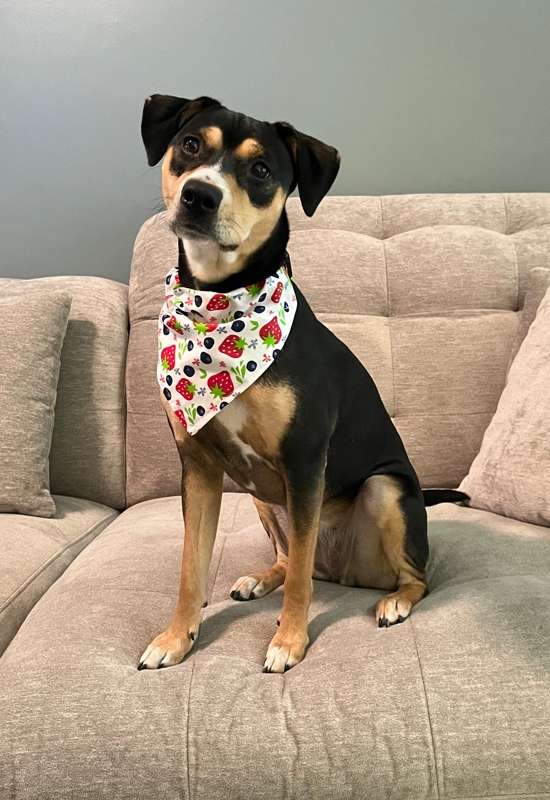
(200, 196)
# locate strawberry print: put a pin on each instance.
(175, 325)
(220, 344)
(276, 296)
(218, 303)
(186, 388)
(221, 384)
(232, 346)
(271, 333)
(168, 357)
(181, 416)
(205, 327)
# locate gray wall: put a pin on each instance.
(418, 95)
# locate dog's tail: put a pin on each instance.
(434, 496)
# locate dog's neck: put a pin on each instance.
(263, 262)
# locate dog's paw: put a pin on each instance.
(248, 588)
(284, 652)
(392, 609)
(166, 650)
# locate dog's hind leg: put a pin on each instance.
(258, 584)
(391, 546)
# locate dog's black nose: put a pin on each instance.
(200, 196)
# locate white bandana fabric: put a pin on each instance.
(213, 346)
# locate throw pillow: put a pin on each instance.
(33, 327)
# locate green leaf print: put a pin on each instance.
(191, 413)
(239, 372)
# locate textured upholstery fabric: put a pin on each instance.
(537, 283)
(511, 473)
(454, 703)
(34, 553)
(425, 289)
(87, 456)
(33, 328)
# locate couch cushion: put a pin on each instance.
(453, 703)
(87, 457)
(30, 356)
(511, 473)
(35, 551)
(425, 289)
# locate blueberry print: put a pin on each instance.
(227, 341)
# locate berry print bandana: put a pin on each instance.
(213, 346)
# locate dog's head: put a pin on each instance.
(226, 177)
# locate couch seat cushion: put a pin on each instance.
(453, 703)
(34, 551)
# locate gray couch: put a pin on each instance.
(454, 703)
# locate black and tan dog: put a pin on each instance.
(310, 439)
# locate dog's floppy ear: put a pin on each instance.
(316, 165)
(163, 115)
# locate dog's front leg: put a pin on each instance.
(202, 484)
(304, 500)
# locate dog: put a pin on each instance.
(310, 438)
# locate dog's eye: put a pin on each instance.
(260, 170)
(191, 145)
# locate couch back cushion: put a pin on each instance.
(87, 456)
(425, 289)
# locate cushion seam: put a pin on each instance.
(507, 223)
(394, 416)
(187, 728)
(441, 313)
(427, 709)
(47, 563)
(537, 796)
(442, 414)
(388, 309)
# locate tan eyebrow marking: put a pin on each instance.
(213, 136)
(249, 148)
